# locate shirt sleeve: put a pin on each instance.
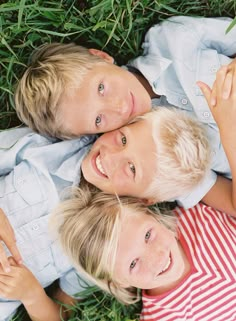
(210, 33)
(72, 283)
(195, 196)
(8, 309)
(13, 144)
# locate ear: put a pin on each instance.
(102, 54)
(147, 201)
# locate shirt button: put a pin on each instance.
(35, 227)
(206, 114)
(213, 69)
(184, 101)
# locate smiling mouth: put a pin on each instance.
(99, 166)
(166, 267)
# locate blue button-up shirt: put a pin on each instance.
(34, 172)
(177, 53)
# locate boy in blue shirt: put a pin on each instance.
(68, 90)
(34, 172)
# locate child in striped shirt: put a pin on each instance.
(184, 263)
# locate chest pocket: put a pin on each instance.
(208, 64)
(21, 189)
(35, 244)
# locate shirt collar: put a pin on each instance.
(151, 66)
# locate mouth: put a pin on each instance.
(166, 267)
(99, 167)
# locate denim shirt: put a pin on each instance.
(177, 53)
(182, 50)
(34, 172)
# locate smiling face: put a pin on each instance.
(118, 162)
(108, 98)
(148, 254)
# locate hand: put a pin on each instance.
(19, 284)
(224, 111)
(229, 71)
(8, 237)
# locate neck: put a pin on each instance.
(146, 85)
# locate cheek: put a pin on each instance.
(121, 185)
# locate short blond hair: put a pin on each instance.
(54, 69)
(182, 153)
(89, 231)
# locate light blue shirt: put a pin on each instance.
(34, 172)
(177, 53)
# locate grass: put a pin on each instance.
(97, 306)
(116, 26)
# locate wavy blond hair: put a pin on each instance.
(54, 69)
(89, 224)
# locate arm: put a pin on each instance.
(224, 113)
(20, 284)
(220, 196)
(8, 237)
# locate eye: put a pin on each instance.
(123, 140)
(133, 263)
(101, 88)
(98, 120)
(148, 235)
(132, 168)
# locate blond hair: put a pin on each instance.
(182, 153)
(89, 225)
(54, 69)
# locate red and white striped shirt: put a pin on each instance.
(208, 293)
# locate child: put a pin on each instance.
(185, 274)
(34, 172)
(216, 189)
(162, 155)
(68, 90)
(47, 165)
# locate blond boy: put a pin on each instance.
(68, 90)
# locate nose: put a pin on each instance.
(112, 158)
(154, 260)
(121, 107)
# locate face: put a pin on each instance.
(123, 161)
(108, 98)
(148, 255)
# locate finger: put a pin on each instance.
(220, 78)
(218, 85)
(3, 260)
(213, 99)
(15, 252)
(227, 86)
(8, 236)
(206, 90)
(6, 288)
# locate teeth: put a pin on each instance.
(99, 165)
(166, 266)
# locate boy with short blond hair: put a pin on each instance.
(178, 52)
(69, 90)
(53, 70)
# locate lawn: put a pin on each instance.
(116, 26)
